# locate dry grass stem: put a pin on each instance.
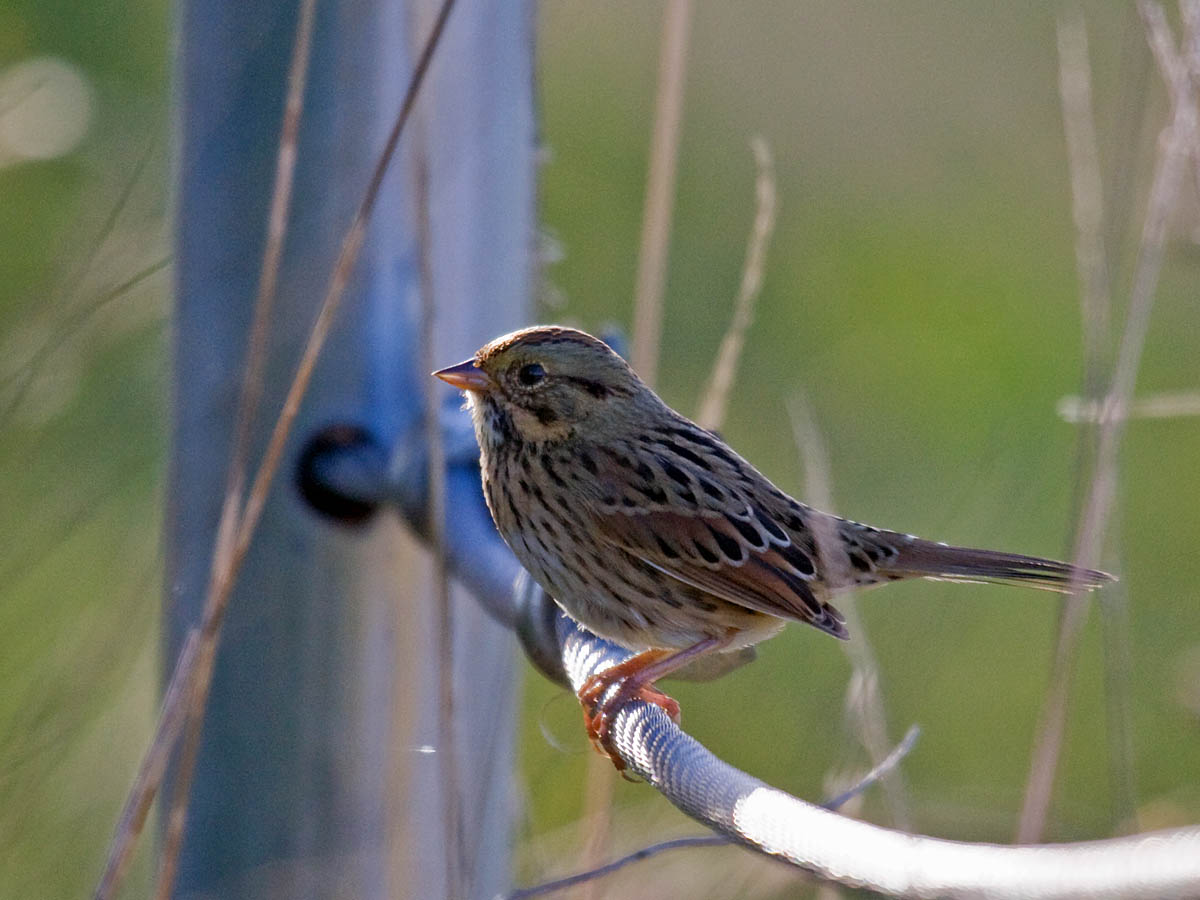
(1083, 163)
(1167, 405)
(150, 773)
(648, 303)
(864, 706)
(720, 381)
(277, 222)
(223, 566)
(880, 770)
(1118, 692)
(235, 530)
(591, 875)
(1190, 62)
(598, 790)
(1131, 123)
(26, 375)
(660, 190)
(596, 820)
(1175, 150)
(108, 226)
(452, 797)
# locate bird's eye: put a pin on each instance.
(530, 374)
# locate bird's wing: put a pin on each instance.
(710, 555)
(697, 526)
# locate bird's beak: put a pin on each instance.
(466, 375)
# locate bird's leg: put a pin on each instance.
(634, 680)
(626, 674)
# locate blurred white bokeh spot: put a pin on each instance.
(46, 107)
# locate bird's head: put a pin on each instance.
(542, 383)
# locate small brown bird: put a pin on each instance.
(653, 533)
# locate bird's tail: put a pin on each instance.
(878, 556)
(917, 558)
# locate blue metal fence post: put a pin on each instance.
(311, 780)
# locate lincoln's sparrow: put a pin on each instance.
(651, 532)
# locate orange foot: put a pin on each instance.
(601, 704)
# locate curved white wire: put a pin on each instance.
(1163, 864)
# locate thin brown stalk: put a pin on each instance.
(598, 791)
(1166, 405)
(598, 788)
(1128, 128)
(1190, 13)
(1118, 693)
(110, 221)
(76, 275)
(1083, 164)
(720, 381)
(452, 797)
(648, 299)
(660, 189)
(223, 566)
(1175, 150)
(64, 330)
(342, 270)
(277, 224)
(592, 874)
(235, 532)
(865, 708)
(150, 773)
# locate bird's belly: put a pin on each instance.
(636, 606)
(606, 589)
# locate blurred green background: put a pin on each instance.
(920, 293)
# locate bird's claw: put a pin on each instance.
(601, 705)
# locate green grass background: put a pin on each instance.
(920, 293)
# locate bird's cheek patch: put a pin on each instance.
(539, 423)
